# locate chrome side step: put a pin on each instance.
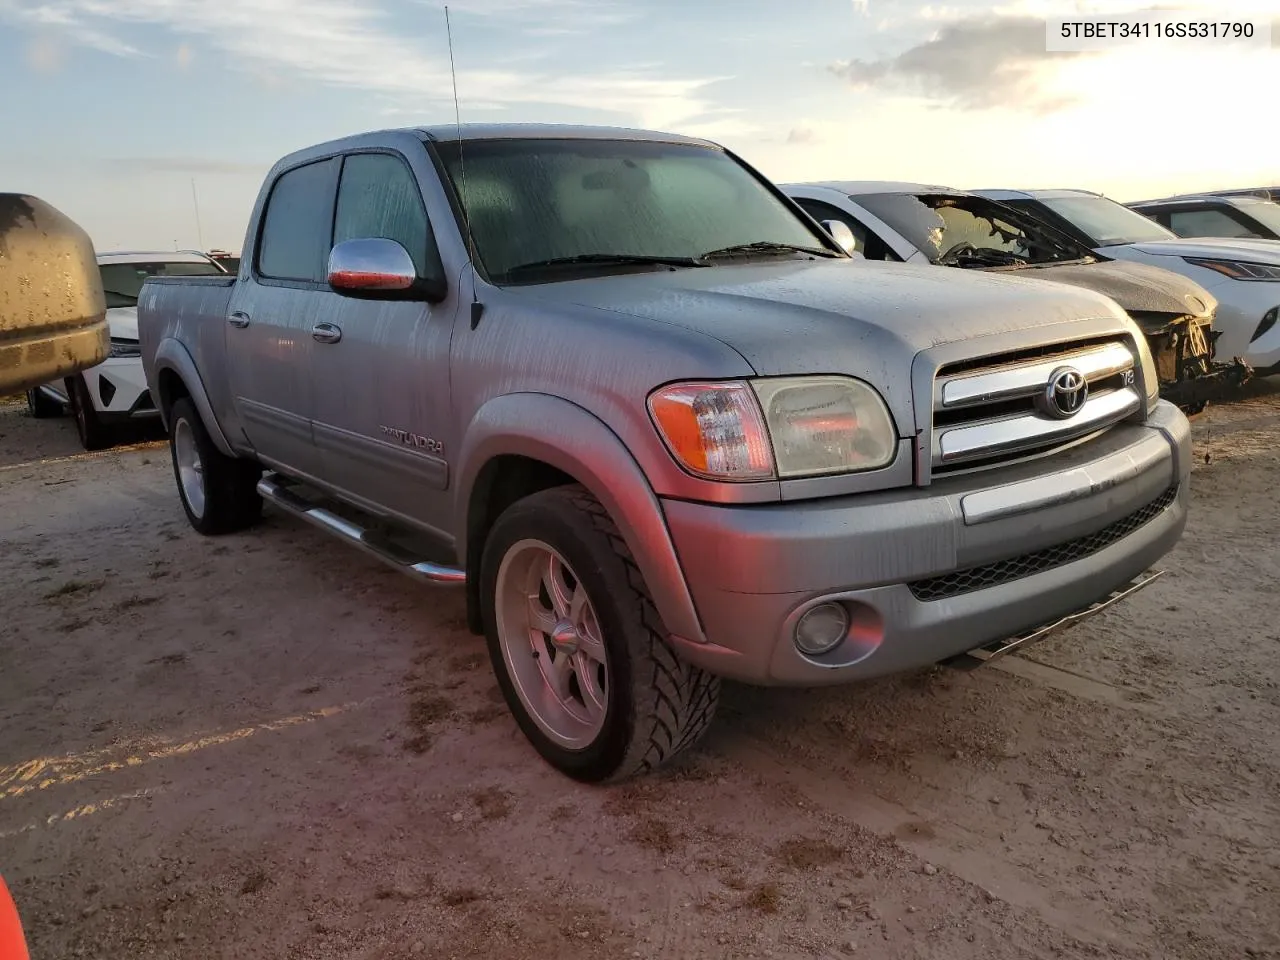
(981, 656)
(275, 490)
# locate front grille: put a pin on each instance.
(1005, 571)
(992, 410)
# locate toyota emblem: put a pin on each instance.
(1065, 393)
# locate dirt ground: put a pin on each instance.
(271, 746)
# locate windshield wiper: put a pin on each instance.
(765, 246)
(985, 257)
(621, 259)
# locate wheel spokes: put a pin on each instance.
(558, 590)
(559, 676)
(588, 673)
(541, 619)
(551, 643)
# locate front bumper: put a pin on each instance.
(930, 573)
(119, 390)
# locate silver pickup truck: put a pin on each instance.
(659, 424)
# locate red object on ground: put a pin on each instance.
(12, 944)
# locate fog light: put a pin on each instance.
(821, 629)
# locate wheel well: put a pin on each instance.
(172, 389)
(501, 482)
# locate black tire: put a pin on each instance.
(657, 704)
(230, 484)
(94, 434)
(43, 406)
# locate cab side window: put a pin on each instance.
(869, 245)
(294, 242)
(378, 197)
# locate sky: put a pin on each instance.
(152, 122)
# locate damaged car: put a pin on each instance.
(918, 223)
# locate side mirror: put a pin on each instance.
(379, 269)
(842, 235)
(53, 317)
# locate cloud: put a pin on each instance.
(57, 18)
(184, 55)
(355, 44)
(802, 134)
(975, 63)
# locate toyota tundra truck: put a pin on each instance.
(659, 425)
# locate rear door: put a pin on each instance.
(382, 386)
(273, 309)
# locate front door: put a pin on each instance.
(381, 368)
(268, 329)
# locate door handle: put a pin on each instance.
(238, 319)
(326, 333)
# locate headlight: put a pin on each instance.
(125, 348)
(775, 428)
(1238, 269)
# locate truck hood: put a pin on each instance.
(1213, 248)
(854, 317)
(1138, 287)
(123, 322)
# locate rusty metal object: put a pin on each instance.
(1190, 375)
(52, 311)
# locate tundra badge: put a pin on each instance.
(413, 439)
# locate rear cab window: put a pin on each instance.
(297, 225)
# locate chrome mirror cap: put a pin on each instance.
(373, 265)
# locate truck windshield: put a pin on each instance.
(122, 282)
(537, 206)
(957, 230)
(1106, 222)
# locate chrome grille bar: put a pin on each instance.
(1024, 380)
(1014, 435)
(991, 410)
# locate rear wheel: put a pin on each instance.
(94, 434)
(577, 646)
(43, 406)
(219, 493)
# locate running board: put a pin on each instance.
(276, 491)
(980, 656)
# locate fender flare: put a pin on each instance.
(171, 354)
(573, 440)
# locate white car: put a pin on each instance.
(115, 392)
(1243, 274)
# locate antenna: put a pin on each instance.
(196, 202)
(477, 308)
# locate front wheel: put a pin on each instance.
(577, 646)
(93, 433)
(219, 493)
(43, 406)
